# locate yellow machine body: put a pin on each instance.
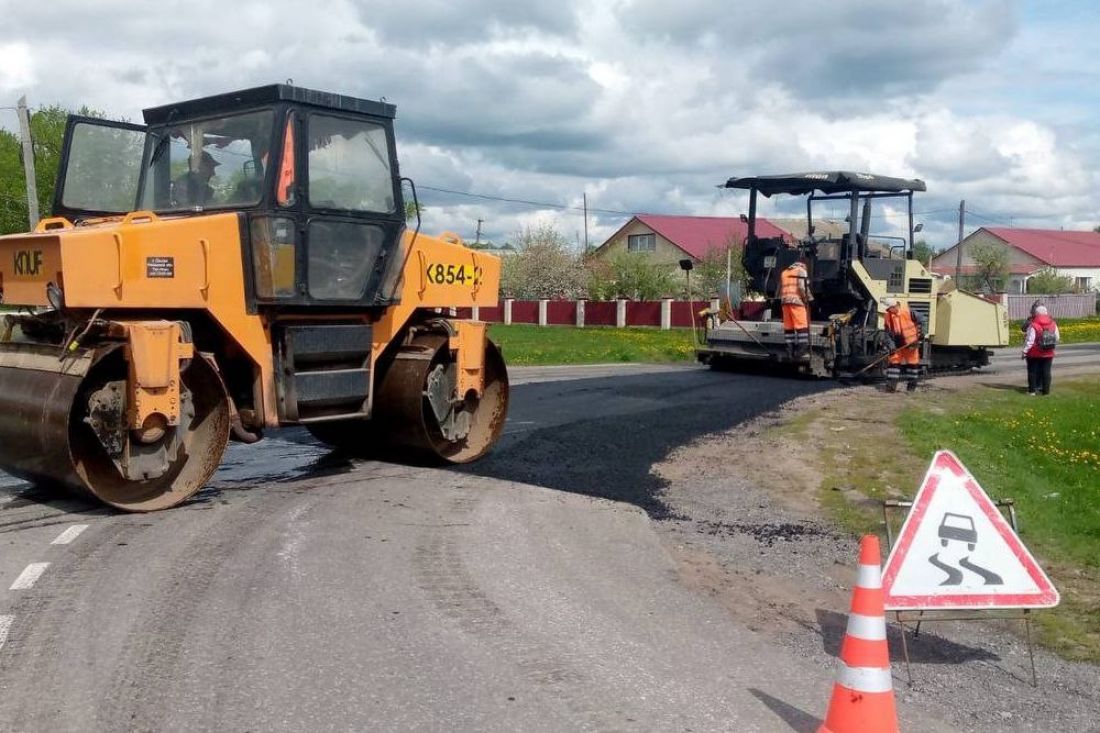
(954, 317)
(147, 340)
(122, 266)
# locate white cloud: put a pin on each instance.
(646, 105)
(17, 66)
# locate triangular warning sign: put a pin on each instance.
(956, 550)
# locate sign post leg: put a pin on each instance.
(1030, 648)
(905, 648)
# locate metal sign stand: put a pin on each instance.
(904, 621)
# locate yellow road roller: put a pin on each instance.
(240, 262)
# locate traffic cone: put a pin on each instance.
(863, 696)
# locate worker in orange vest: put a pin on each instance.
(907, 331)
(795, 297)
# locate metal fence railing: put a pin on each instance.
(1077, 305)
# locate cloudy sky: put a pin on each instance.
(643, 105)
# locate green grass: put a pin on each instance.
(1073, 331)
(1043, 452)
(526, 345)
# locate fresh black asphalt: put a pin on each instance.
(600, 437)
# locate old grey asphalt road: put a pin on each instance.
(1069, 356)
(305, 591)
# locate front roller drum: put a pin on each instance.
(414, 416)
(48, 409)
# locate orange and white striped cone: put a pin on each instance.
(863, 696)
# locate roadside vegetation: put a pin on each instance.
(47, 131)
(526, 345)
(1043, 452)
(1073, 331)
(545, 264)
(530, 345)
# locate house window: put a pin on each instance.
(641, 243)
(1083, 284)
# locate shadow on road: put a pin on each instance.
(601, 437)
(797, 719)
(925, 648)
(56, 500)
(1007, 387)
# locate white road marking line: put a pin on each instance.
(29, 576)
(5, 625)
(69, 534)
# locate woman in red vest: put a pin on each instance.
(1042, 337)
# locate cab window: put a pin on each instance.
(103, 167)
(209, 163)
(349, 165)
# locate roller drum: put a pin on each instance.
(405, 424)
(37, 393)
(44, 437)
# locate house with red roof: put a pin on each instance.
(669, 239)
(1070, 254)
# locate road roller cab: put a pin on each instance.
(238, 263)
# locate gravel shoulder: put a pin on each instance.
(745, 527)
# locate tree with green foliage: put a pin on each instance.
(544, 267)
(990, 266)
(47, 135)
(708, 279)
(1047, 281)
(631, 275)
(924, 252)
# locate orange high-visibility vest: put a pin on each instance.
(902, 324)
(792, 285)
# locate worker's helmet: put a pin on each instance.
(889, 303)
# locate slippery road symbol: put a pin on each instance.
(960, 528)
(954, 577)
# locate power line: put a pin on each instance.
(527, 202)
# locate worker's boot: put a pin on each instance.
(911, 386)
(892, 385)
(790, 351)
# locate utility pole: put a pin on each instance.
(585, 199)
(478, 239)
(959, 246)
(28, 161)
